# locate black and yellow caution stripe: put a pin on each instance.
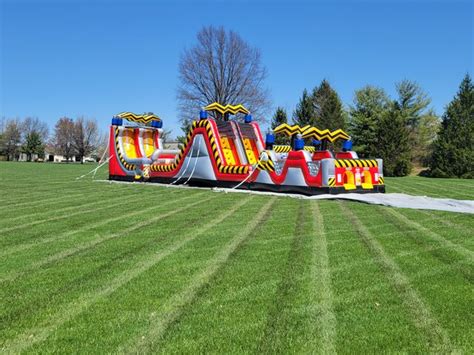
(133, 117)
(287, 148)
(281, 148)
(232, 109)
(381, 180)
(267, 165)
(332, 182)
(355, 163)
(126, 165)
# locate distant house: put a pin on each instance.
(52, 157)
(172, 145)
(24, 157)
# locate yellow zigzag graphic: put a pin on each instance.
(226, 109)
(285, 128)
(133, 117)
(313, 132)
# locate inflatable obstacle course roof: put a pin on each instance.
(232, 109)
(133, 117)
(285, 128)
(315, 133)
(311, 132)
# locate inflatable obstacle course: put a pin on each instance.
(224, 152)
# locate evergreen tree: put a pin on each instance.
(453, 152)
(412, 101)
(33, 145)
(370, 103)
(279, 117)
(328, 109)
(304, 113)
(423, 137)
(393, 144)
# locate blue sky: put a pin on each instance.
(97, 58)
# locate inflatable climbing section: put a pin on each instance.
(223, 151)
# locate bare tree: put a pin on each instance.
(32, 125)
(35, 135)
(11, 139)
(85, 137)
(165, 135)
(102, 146)
(63, 137)
(221, 68)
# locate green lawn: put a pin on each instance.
(94, 267)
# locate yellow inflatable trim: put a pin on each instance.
(232, 109)
(133, 117)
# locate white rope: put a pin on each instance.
(95, 169)
(195, 163)
(263, 156)
(105, 151)
(101, 158)
(185, 168)
(244, 180)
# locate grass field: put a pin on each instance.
(95, 267)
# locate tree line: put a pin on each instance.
(404, 131)
(70, 138)
(221, 67)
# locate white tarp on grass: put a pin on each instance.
(391, 199)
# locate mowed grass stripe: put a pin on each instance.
(463, 252)
(230, 313)
(49, 196)
(17, 247)
(113, 200)
(76, 205)
(463, 195)
(364, 318)
(284, 323)
(442, 249)
(172, 309)
(440, 276)
(105, 204)
(19, 195)
(38, 334)
(73, 196)
(445, 221)
(407, 187)
(321, 276)
(416, 191)
(72, 190)
(26, 244)
(60, 283)
(442, 184)
(436, 336)
(104, 238)
(125, 314)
